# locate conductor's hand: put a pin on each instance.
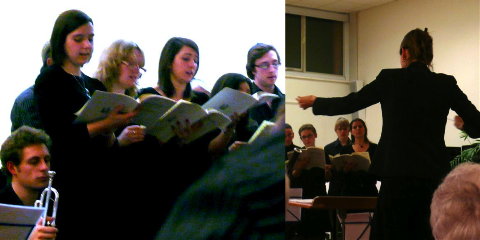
(458, 122)
(306, 101)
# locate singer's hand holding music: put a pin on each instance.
(131, 134)
(117, 118)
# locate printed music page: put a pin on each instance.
(16, 222)
(229, 100)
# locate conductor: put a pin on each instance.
(415, 103)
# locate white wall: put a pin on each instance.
(223, 29)
(454, 27)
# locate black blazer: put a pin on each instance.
(415, 103)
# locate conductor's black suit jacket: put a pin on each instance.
(415, 103)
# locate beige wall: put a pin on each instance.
(296, 116)
(455, 28)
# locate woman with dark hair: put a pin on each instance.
(411, 158)
(245, 126)
(60, 91)
(360, 141)
(178, 65)
(234, 81)
(358, 183)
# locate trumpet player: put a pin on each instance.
(26, 160)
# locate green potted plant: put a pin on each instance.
(471, 154)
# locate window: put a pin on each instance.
(293, 46)
(314, 44)
(324, 45)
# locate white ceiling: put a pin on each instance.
(341, 6)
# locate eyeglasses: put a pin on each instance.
(266, 65)
(133, 67)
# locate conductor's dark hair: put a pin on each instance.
(420, 46)
(288, 126)
(169, 51)
(256, 52)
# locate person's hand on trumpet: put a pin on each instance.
(41, 232)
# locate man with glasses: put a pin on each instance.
(315, 222)
(308, 135)
(262, 66)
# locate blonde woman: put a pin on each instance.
(120, 68)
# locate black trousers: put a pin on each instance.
(403, 209)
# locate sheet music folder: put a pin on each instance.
(16, 222)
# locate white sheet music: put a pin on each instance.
(301, 200)
(16, 222)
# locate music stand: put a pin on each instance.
(341, 204)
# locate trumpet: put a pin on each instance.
(45, 200)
